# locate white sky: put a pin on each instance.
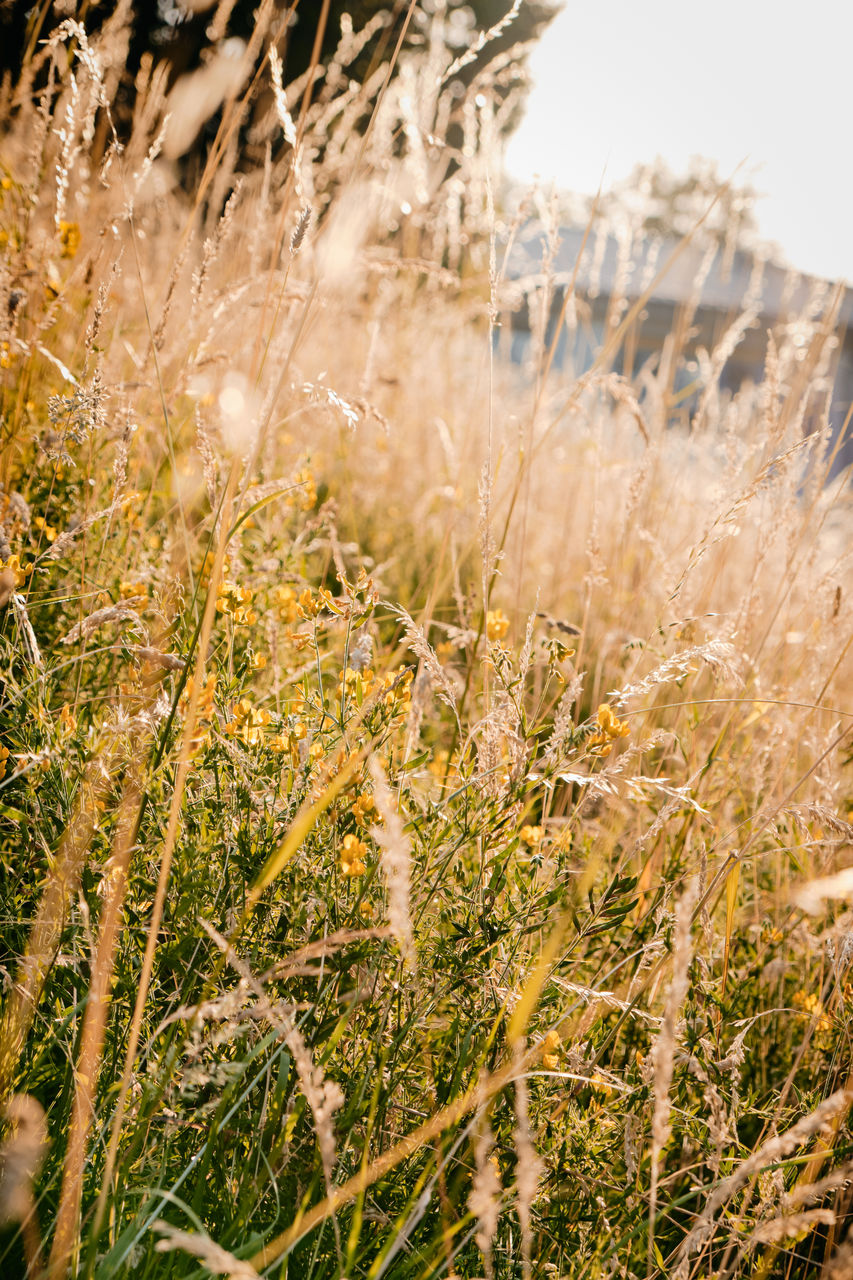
(769, 82)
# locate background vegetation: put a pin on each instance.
(426, 781)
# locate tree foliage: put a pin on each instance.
(187, 35)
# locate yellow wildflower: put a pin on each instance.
(352, 856)
(811, 1003)
(610, 727)
(285, 600)
(399, 686)
(289, 741)
(69, 238)
(551, 1046)
(248, 723)
(307, 606)
(19, 571)
(355, 684)
(330, 602)
(43, 527)
(4, 756)
(135, 594)
(530, 835)
(364, 810)
(497, 625)
(234, 601)
(67, 720)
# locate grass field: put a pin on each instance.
(426, 791)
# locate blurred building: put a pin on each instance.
(706, 319)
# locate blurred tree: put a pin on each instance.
(186, 33)
(671, 204)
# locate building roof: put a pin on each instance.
(781, 292)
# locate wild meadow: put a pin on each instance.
(426, 794)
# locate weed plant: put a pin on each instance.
(425, 806)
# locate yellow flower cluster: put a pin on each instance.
(69, 238)
(4, 756)
(248, 723)
(364, 810)
(395, 688)
(234, 601)
(44, 528)
(287, 604)
(551, 1046)
(398, 688)
(352, 856)
(353, 684)
(136, 593)
(281, 742)
(530, 835)
(307, 605)
(293, 607)
(497, 625)
(810, 1003)
(610, 727)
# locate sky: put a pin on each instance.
(770, 84)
